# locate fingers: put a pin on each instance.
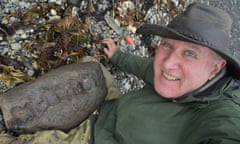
(111, 47)
(106, 51)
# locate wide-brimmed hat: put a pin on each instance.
(200, 24)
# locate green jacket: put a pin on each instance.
(144, 117)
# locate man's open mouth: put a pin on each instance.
(169, 77)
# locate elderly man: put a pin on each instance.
(192, 93)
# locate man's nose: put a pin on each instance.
(172, 60)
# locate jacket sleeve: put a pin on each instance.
(104, 129)
(136, 65)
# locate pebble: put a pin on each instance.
(16, 46)
(30, 72)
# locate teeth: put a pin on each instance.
(168, 77)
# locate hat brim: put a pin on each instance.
(166, 32)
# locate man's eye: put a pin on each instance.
(190, 54)
(166, 45)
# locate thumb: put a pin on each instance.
(107, 52)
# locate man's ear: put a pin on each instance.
(212, 81)
(218, 66)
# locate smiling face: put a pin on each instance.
(181, 67)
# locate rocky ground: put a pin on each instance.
(39, 35)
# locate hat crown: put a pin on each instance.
(209, 26)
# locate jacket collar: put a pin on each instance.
(212, 93)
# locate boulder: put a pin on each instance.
(61, 99)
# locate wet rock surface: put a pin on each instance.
(60, 99)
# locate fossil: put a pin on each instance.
(60, 99)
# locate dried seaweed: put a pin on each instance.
(66, 37)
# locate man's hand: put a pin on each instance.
(111, 47)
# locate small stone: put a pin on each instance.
(53, 12)
(16, 46)
(30, 72)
